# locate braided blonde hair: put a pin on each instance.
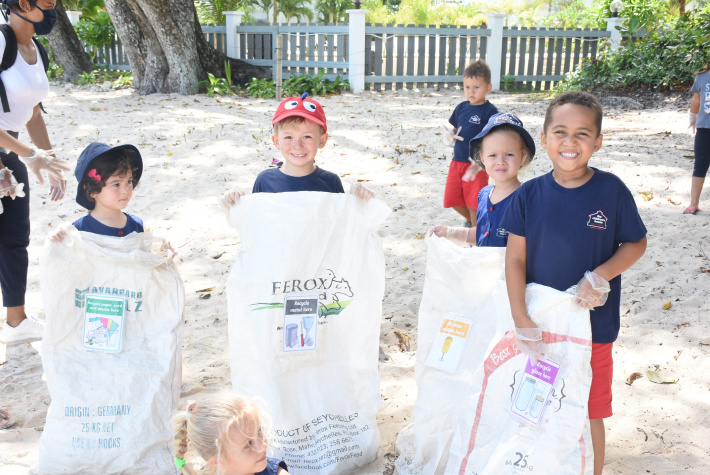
(208, 426)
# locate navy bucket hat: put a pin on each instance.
(92, 152)
(503, 118)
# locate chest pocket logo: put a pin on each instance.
(597, 220)
(475, 120)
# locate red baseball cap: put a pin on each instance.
(301, 107)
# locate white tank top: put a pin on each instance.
(26, 85)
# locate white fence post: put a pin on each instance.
(73, 17)
(232, 22)
(356, 49)
(494, 57)
(611, 24)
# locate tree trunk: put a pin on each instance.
(165, 46)
(67, 48)
(681, 7)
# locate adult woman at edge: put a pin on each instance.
(26, 85)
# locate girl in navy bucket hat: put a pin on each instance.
(503, 147)
(107, 177)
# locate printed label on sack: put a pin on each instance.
(300, 330)
(103, 323)
(449, 343)
(534, 390)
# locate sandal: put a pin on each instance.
(5, 421)
(691, 210)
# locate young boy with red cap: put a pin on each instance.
(300, 130)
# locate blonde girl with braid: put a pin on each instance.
(229, 433)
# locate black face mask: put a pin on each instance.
(45, 26)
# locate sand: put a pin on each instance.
(195, 147)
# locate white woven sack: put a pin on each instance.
(110, 412)
(489, 439)
(458, 280)
(323, 401)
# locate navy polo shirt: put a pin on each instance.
(572, 230)
(489, 232)
(471, 119)
(89, 224)
(274, 180)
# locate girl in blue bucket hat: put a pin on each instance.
(107, 177)
(503, 147)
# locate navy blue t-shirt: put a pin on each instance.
(272, 466)
(472, 119)
(572, 230)
(489, 232)
(274, 180)
(89, 224)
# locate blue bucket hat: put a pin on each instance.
(92, 152)
(502, 118)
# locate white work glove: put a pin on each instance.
(41, 159)
(230, 198)
(592, 291)
(57, 187)
(693, 119)
(9, 185)
(451, 135)
(471, 172)
(529, 341)
(361, 192)
(458, 235)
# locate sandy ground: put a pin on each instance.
(196, 147)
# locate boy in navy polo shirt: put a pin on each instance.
(300, 130)
(574, 226)
(465, 180)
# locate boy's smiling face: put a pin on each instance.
(570, 140)
(299, 143)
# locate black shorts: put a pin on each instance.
(702, 152)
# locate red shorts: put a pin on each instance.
(602, 373)
(463, 193)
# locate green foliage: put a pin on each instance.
(96, 32)
(316, 85)
(100, 75)
(262, 88)
(421, 12)
(298, 9)
(663, 60)
(333, 11)
(214, 86)
(209, 12)
(88, 8)
(508, 82)
(575, 14)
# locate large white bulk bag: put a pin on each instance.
(463, 421)
(305, 304)
(110, 410)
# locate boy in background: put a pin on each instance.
(465, 179)
(575, 226)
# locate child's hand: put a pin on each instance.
(459, 235)
(57, 187)
(451, 135)
(361, 192)
(592, 291)
(529, 341)
(168, 247)
(59, 234)
(693, 119)
(230, 198)
(471, 172)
